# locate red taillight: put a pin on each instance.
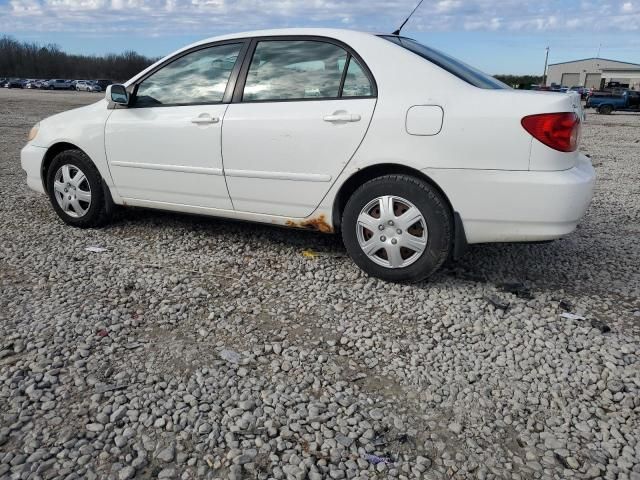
(559, 131)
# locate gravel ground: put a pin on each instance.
(203, 348)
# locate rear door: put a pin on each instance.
(166, 146)
(301, 109)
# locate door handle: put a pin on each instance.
(204, 118)
(339, 117)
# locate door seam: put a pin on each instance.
(224, 175)
(366, 132)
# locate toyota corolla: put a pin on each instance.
(408, 153)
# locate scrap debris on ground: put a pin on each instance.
(204, 348)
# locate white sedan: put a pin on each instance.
(87, 86)
(409, 153)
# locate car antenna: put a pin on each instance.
(397, 32)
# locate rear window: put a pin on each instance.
(456, 67)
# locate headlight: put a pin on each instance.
(33, 132)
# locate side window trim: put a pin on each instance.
(244, 71)
(246, 63)
(344, 74)
(231, 83)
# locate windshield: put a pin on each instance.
(456, 67)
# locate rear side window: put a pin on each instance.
(291, 70)
(460, 69)
(301, 70)
(199, 77)
(356, 82)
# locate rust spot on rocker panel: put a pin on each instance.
(318, 224)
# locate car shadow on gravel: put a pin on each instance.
(484, 263)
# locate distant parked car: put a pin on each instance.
(13, 83)
(59, 84)
(103, 83)
(30, 83)
(87, 86)
(582, 91)
(540, 88)
(95, 87)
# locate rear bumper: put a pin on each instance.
(518, 206)
(31, 161)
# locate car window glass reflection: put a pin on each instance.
(288, 70)
(356, 83)
(198, 77)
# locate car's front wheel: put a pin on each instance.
(75, 190)
(398, 228)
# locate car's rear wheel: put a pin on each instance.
(605, 109)
(398, 228)
(76, 191)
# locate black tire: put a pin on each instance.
(434, 209)
(605, 109)
(99, 210)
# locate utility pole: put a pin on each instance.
(544, 74)
(599, 47)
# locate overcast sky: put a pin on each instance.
(507, 36)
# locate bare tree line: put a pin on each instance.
(33, 60)
(521, 81)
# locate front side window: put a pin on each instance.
(295, 70)
(199, 77)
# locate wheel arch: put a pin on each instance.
(52, 151)
(606, 106)
(369, 173)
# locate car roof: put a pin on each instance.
(341, 34)
(338, 33)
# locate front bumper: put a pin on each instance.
(518, 206)
(31, 160)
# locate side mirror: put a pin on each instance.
(117, 94)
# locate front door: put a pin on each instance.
(166, 147)
(303, 111)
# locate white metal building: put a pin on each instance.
(591, 72)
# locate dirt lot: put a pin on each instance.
(203, 348)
